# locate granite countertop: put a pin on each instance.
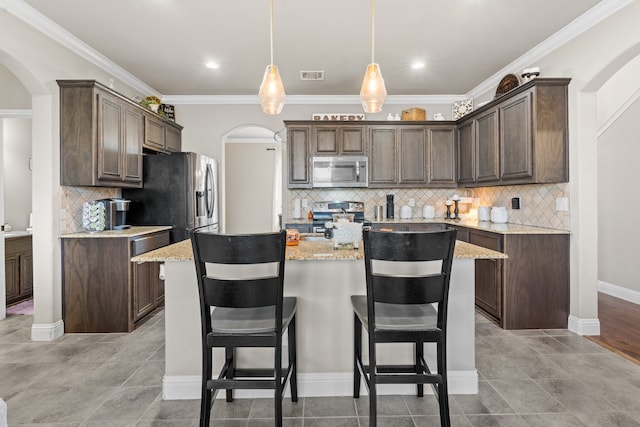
(309, 250)
(493, 227)
(134, 231)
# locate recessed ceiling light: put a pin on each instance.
(212, 65)
(418, 65)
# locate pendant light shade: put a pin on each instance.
(271, 92)
(373, 93)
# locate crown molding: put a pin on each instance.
(32, 17)
(591, 17)
(16, 114)
(307, 99)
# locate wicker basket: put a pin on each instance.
(414, 114)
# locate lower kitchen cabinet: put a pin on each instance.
(302, 228)
(103, 291)
(528, 290)
(18, 266)
(412, 226)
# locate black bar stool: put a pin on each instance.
(398, 309)
(244, 312)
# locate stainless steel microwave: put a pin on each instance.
(341, 171)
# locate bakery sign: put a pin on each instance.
(337, 116)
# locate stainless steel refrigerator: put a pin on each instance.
(179, 189)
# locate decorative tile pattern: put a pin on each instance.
(537, 208)
(71, 200)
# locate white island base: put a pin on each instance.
(324, 331)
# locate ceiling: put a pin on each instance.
(166, 43)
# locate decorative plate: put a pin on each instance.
(462, 108)
(508, 82)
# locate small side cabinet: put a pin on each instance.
(18, 266)
(103, 291)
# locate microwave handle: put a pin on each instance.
(357, 171)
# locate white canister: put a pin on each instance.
(428, 212)
(484, 213)
(405, 212)
(499, 214)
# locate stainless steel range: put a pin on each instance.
(323, 212)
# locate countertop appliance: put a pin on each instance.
(115, 213)
(340, 171)
(179, 189)
(323, 212)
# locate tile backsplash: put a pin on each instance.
(537, 207)
(71, 200)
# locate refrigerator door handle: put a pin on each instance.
(208, 190)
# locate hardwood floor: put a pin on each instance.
(619, 332)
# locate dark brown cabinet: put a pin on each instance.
(101, 136)
(334, 140)
(103, 291)
(519, 138)
(417, 155)
(414, 226)
(18, 264)
(298, 147)
(161, 135)
(528, 290)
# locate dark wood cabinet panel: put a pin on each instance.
(466, 153)
(383, 163)
(298, 141)
(487, 150)
(412, 148)
(303, 228)
(103, 291)
(154, 135)
(441, 153)
(338, 139)
(173, 138)
(109, 139)
(133, 134)
(18, 264)
(516, 146)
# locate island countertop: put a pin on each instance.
(134, 231)
(309, 250)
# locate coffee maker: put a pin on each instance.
(115, 213)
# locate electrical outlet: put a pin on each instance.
(562, 203)
(515, 203)
(412, 202)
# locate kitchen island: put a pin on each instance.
(322, 279)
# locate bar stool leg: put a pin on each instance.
(291, 336)
(206, 392)
(230, 355)
(419, 356)
(357, 355)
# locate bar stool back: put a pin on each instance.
(240, 283)
(398, 308)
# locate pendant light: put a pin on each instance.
(373, 93)
(271, 90)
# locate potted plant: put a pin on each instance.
(152, 102)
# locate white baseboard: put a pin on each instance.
(176, 387)
(619, 292)
(584, 326)
(47, 331)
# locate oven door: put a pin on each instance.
(347, 171)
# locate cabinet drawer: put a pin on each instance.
(149, 243)
(486, 240)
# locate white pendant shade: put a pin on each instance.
(373, 93)
(271, 92)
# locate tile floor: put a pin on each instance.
(527, 378)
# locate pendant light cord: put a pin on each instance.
(271, 29)
(372, 31)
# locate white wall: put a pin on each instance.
(13, 94)
(17, 182)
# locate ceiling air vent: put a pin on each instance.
(311, 75)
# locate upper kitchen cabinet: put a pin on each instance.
(412, 155)
(161, 135)
(298, 141)
(519, 138)
(338, 139)
(102, 135)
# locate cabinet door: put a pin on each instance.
(412, 148)
(466, 153)
(298, 147)
(426, 227)
(159, 285)
(154, 137)
(352, 140)
(382, 156)
(516, 141)
(12, 277)
(26, 274)
(325, 140)
(488, 274)
(173, 139)
(109, 139)
(487, 151)
(133, 138)
(441, 152)
(143, 289)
